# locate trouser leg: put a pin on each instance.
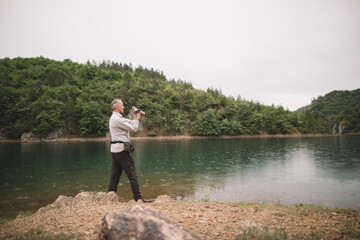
(130, 171)
(116, 171)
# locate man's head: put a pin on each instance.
(117, 106)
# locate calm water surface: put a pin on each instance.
(322, 171)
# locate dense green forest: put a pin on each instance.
(337, 108)
(43, 96)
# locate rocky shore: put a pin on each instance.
(80, 217)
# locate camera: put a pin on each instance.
(137, 110)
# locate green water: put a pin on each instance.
(322, 171)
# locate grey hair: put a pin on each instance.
(114, 103)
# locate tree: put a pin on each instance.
(207, 124)
(92, 121)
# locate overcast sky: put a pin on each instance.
(281, 52)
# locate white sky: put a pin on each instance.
(282, 52)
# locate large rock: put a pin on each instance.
(62, 201)
(55, 134)
(106, 197)
(96, 196)
(2, 134)
(163, 199)
(83, 197)
(140, 222)
(26, 136)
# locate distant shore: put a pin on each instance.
(178, 137)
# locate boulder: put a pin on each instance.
(62, 201)
(106, 197)
(107, 135)
(141, 222)
(2, 134)
(98, 196)
(81, 198)
(84, 196)
(342, 127)
(163, 199)
(55, 134)
(26, 136)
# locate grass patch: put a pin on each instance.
(28, 213)
(228, 227)
(24, 214)
(248, 204)
(254, 233)
(306, 209)
(318, 208)
(5, 220)
(310, 207)
(256, 206)
(259, 234)
(350, 230)
(279, 214)
(205, 199)
(38, 234)
(313, 236)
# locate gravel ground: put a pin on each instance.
(79, 217)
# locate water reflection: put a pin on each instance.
(322, 170)
(292, 170)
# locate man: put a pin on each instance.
(120, 129)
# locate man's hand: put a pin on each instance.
(136, 114)
(142, 115)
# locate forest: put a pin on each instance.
(42, 96)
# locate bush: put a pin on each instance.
(152, 134)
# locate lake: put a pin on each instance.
(311, 170)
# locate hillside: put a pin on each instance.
(337, 108)
(48, 99)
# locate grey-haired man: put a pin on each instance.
(120, 129)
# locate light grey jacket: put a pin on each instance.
(120, 129)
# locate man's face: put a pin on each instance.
(120, 107)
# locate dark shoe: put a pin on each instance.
(141, 198)
(145, 201)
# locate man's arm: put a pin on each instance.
(127, 124)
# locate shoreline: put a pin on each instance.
(177, 137)
(79, 218)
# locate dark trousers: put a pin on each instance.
(123, 161)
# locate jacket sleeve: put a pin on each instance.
(128, 125)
